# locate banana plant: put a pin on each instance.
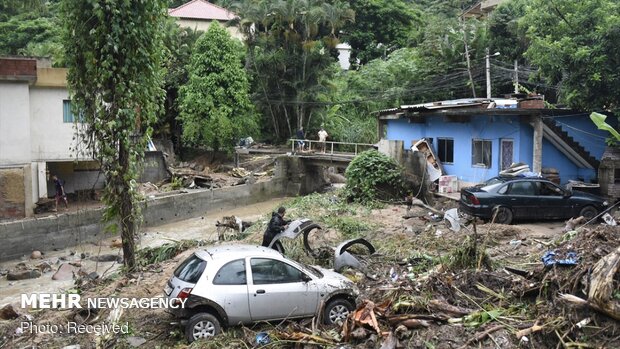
(599, 121)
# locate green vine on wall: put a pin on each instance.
(114, 51)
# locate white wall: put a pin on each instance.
(51, 138)
(344, 54)
(14, 123)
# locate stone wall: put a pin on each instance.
(12, 193)
(154, 167)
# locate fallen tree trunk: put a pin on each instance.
(602, 284)
(601, 287)
(573, 222)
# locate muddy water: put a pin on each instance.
(200, 228)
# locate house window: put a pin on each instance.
(617, 175)
(67, 113)
(481, 153)
(445, 147)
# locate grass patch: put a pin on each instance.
(469, 256)
(349, 227)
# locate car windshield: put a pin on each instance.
(191, 269)
(314, 271)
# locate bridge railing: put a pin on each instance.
(330, 147)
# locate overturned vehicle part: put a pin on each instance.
(343, 258)
(296, 228)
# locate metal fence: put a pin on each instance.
(327, 147)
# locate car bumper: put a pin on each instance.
(481, 211)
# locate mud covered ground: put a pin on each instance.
(427, 287)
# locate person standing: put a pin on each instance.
(276, 225)
(322, 138)
(60, 192)
(300, 136)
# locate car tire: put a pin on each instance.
(503, 215)
(337, 311)
(202, 326)
(588, 212)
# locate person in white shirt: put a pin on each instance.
(322, 137)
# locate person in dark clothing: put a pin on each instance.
(276, 225)
(60, 192)
(300, 135)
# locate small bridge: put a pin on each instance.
(326, 153)
(337, 154)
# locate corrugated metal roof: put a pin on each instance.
(497, 103)
(201, 9)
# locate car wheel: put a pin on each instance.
(337, 311)
(503, 215)
(588, 212)
(202, 326)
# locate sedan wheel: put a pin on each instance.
(588, 212)
(202, 326)
(337, 311)
(503, 215)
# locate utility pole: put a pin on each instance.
(471, 78)
(516, 77)
(488, 70)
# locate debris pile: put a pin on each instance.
(475, 286)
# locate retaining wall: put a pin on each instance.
(21, 237)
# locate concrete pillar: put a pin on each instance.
(393, 149)
(41, 180)
(537, 124)
(29, 203)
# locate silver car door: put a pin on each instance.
(230, 291)
(277, 290)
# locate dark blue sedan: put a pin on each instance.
(512, 198)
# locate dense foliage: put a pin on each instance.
(380, 26)
(575, 45)
(408, 52)
(372, 175)
(215, 106)
(30, 28)
(114, 51)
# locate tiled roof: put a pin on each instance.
(201, 9)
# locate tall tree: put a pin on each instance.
(114, 53)
(179, 43)
(214, 104)
(575, 45)
(289, 43)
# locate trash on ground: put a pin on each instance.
(551, 258)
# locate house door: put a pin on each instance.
(506, 153)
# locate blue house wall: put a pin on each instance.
(493, 128)
(583, 130)
(496, 128)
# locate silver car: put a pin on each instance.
(229, 285)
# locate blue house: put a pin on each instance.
(477, 138)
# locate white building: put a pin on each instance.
(37, 137)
